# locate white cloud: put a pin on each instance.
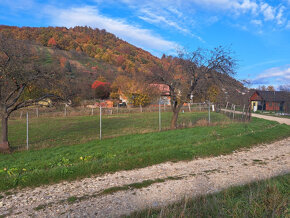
(257, 22)
(268, 11)
(275, 75)
(177, 12)
(89, 16)
(18, 4)
(279, 17)
(151, 17)
(288, 25)
(236, 6)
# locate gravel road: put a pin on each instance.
(266, 117)
(278, 119)
(199, 176)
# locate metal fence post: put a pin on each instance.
(100, 122)
(27, 135)
(234, 112)
(243, 112)
(159, 116)
(209, 112)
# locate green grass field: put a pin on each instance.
(269, 198)
(58, 131)
(95, 157)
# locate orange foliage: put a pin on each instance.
(96, 43)
(51, 42)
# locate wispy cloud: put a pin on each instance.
(153, 18)
(257, 22)
(265, 63)
(18, 4)
(90, 16)
(268, 11)
(275, 75)
(235, 6)
(288, 25)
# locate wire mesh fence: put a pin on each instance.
(236, 112)
(49, 127)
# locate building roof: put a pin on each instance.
(274, 96)
(162, 88)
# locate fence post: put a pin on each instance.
(21, 114)
(189, 107)
(209, 112)
(141, 108)
(100, 122)
(92, 111)
(37, 112)
(199, 106)
(231, 111)
(227, 105)
(243, 112)
(159, 116)
(65, 110)
(234, 111)
(27, 134)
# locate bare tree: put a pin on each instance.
(185, 74)
(22, 66)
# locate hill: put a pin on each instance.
(96, 43)
(90, 53)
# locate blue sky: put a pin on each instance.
(258, 31)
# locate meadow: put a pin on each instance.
(69, 148)
(59, 131)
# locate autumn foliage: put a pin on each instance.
(96, 43)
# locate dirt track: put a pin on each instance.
(278, 119)
(194, 177)
(266, 117)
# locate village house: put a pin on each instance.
(163, 91)
(270, 101)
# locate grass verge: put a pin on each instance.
(269, 198)
(51, 165)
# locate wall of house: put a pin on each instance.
(254, 103)
(272, 106)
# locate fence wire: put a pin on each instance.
(49, 127)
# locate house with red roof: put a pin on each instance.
(164, 92)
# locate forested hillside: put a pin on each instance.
(98, 44)
(89, 54)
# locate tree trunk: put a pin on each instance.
(4, 144)
(174, 119)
